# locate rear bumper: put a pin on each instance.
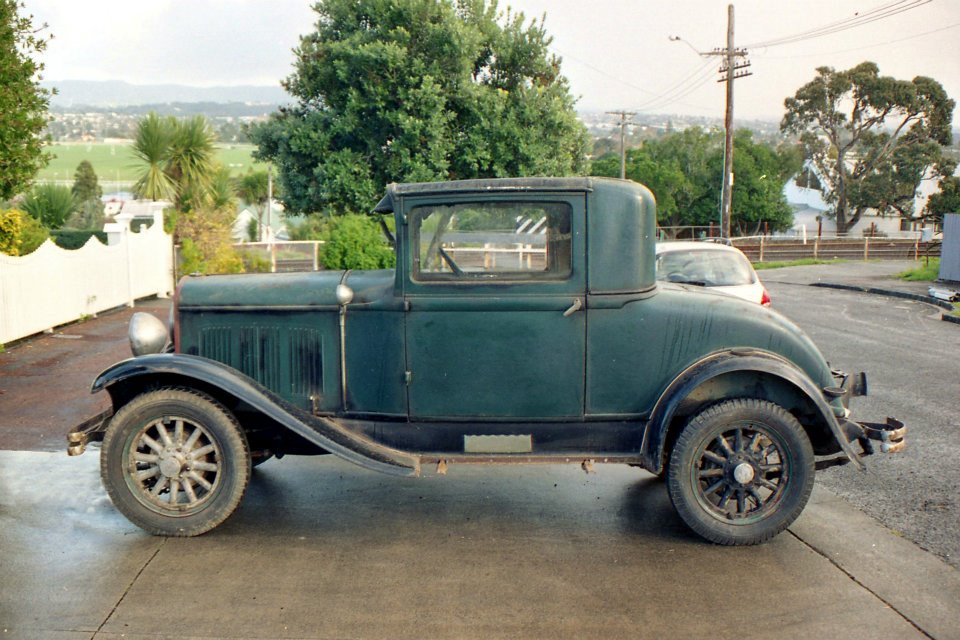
(891, 435)
(86, 432)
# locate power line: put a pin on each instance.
(682, 89)
(657, 97)
(868, 46)
(857, 20)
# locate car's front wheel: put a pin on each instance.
(741, 471)
(175, 462)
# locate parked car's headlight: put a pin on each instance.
(148, 334)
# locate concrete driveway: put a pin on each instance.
(323, 549)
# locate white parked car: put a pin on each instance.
(707, 264)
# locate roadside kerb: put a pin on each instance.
(893, 293)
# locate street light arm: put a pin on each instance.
(692, 48)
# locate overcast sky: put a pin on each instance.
(616, 53)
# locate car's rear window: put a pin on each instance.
(707, 268)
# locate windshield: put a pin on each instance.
(706, 268)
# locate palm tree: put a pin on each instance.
(253, 187)
(152, 148)
(222, 191)
(191, 160)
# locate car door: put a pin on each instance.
(495, 291)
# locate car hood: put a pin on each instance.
(314, 289)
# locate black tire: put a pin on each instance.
(175, 462)
(741, 472)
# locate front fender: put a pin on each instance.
(731, 361)
(325, 432)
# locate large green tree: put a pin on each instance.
(418, 90)
(87, 194)
(684, 172)
(23, 102)
(760, 173)
(85, 183)
(946, 200)
(872, 138)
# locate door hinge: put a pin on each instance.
(408, 377)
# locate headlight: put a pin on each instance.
(148, 334)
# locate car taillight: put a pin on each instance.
(765, 299)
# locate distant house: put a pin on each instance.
(132, 215)
(811, 214)
(274, 228)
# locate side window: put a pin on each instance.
(492, 240)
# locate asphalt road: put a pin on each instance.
(912, 359)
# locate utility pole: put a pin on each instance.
(269, 199)
(623, 150)
(730, 71)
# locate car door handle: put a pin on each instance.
(576, 306)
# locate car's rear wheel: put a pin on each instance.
(741, 471)
(175, 462)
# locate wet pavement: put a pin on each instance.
(323, 549)
(45, 380)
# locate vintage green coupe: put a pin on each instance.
(523, 323)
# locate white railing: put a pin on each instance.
(285, 255)
(53, 286)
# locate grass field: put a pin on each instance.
(114, 163)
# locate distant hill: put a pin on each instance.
(116, 93)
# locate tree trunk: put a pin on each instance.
(841, 206)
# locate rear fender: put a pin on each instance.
(128, 377)
(676, 400)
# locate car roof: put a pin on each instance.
(497, 185)
(687, 245)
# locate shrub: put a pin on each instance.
(356, 242)
(206, 245)
(75, 238)
(20, 234)
(51, 204)
(11, 224)
(255, 262)
(33, 235)
(312, 227)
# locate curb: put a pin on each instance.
(943, 304)
(886, 292)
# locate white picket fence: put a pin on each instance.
(53, 286)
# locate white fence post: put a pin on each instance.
(127, 243)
